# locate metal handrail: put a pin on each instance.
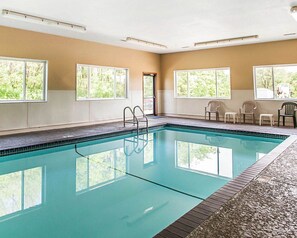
(135, 119)
(143, 115)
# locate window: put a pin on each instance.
(21, 190)
(203, 83)
(22, 80)
(95, 82)
(275, 82)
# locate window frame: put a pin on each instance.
(188, 91)
(114, 89)
(45, 80)
(255, 83)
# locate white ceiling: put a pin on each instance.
(174, 23)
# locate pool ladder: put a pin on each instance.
(135, 120)
(137, 147)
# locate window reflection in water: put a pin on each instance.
(259, 155)
(148, 154)
(204, 158)
(99, 169)
(20, 190)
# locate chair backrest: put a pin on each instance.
(249, 106)
(289, 107)
(213, 105)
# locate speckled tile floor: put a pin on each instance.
(267, 207)
(33, 138)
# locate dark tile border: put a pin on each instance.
(214, 203)
(229, 131)
(104, 135)
(72, 140)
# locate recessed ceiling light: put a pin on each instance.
(185, 47)
(144, 42)
(42, 20)
(290, 34)
(228, 40)
(294, 12)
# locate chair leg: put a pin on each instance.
(294, 121)
(209, 116)
(243, 118)
(278, 119)
(284, 121)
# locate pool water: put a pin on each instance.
(119, 187)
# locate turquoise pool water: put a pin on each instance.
(119, 187)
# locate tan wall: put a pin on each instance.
(241, 59)
(64, 53)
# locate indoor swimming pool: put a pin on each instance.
(125, 186)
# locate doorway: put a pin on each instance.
(149, 93)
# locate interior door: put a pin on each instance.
(149, 97)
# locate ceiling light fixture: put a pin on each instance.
(144, 42)
(290, 34)
(226, 40)
(42, 20)
(294, 12)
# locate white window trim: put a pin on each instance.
(206, 98)
(254, 81)
(101, 99)
(45, 80)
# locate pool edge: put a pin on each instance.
(191, 220)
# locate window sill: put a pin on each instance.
(276, 99)
(22, 101)
(99, 99)
(206, 98)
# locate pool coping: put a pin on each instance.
(125, 131)
(187, 223)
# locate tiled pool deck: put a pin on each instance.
(261, 202)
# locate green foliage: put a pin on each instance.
(202, 83)
(12, 78)
(148, 86)
(182, 83)
(82, 82)
(281, 81)
(223, 83)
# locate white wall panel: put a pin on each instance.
(13, 116)
(61, 108)
(195, 107)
